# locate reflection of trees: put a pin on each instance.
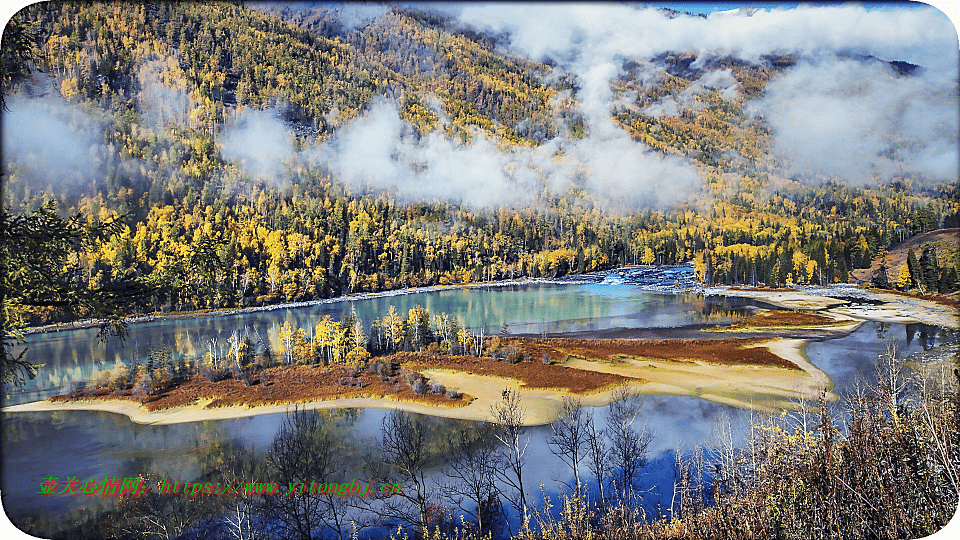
(881, 328)
(889, 467)
(405, 449)
(309, 448)
(218, 460)
(926, 335)
(470, 459)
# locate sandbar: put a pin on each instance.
(764, 388)
(889, 308)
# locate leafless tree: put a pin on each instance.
(938, 401)
(478, 341)
(596, 452)
(405, 454)
(628, 442)
(160, 516)
(307, 449)
(241, 520)
(508, 416)
(471, 469)
(891, 382)
(568, 439)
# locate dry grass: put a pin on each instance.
(281, 384)
(534, 374)
(737, 351)
(784, 319)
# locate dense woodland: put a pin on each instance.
(207, 236)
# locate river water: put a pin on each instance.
(95, 445)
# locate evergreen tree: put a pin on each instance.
(930, 269)
(913, 265)
(880, 279)
(40, 255)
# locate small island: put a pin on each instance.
(435, 366)
(770, 320)
(431, 364)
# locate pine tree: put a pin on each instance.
(880, 279)
(930, 269)
(913, 265)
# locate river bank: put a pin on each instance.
(593, 277)
(758, 374)
(852, 302)
(751, 387)
(839, 299)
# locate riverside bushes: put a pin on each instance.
(885, 464)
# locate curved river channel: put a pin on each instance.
(87, 444)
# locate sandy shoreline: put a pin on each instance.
(197, 412)
(750, 387)
(892, 308)
(745, 386)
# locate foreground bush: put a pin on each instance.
(884, 464)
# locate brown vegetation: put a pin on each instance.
(281, 384)
(889, 472)
(780, 319)
(535, 362)
(888, 469)
(739, 351)
(534, 375)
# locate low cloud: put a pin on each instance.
(721, 81)
(380, 151)
(851, 119)
(569, 33)
(346, 16)
(259, 143)
(858, 121)
(51, 142)
(162, 104)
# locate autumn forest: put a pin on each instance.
(215, 233)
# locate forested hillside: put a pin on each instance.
(235, 146)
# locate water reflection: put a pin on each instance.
(928, 336)
(75, 356)
(95, 444)
(851, 359)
